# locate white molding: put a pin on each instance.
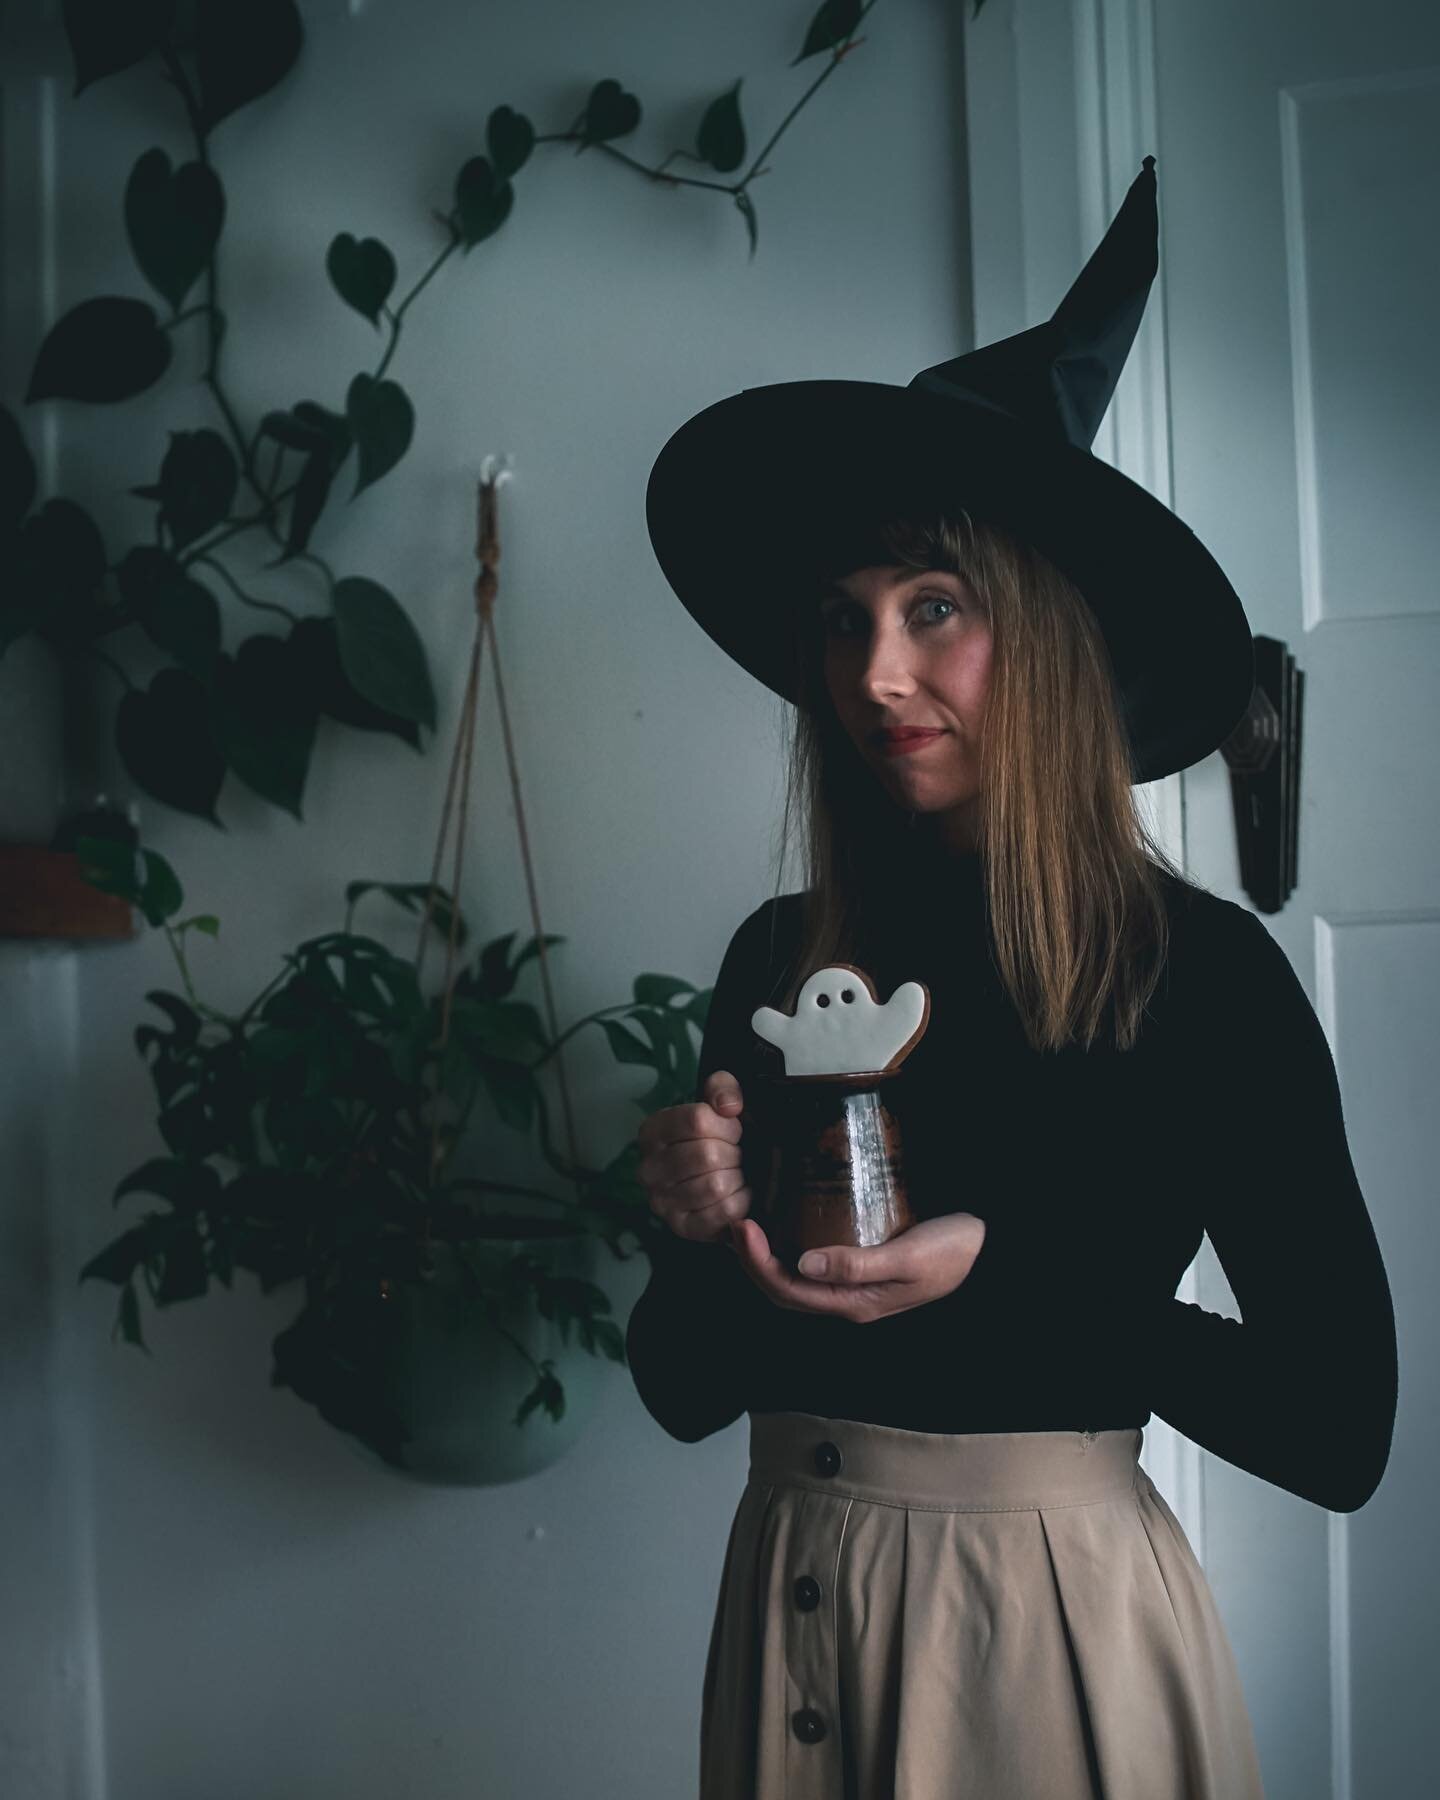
(1061, 110)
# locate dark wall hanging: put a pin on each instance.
(1263, 754)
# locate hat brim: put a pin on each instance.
(752, 496)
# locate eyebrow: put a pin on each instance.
(835, 592)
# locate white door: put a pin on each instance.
(1284, 397)
(1299, 160)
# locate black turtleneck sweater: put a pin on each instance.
(1097, 1172)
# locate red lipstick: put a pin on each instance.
(901, 743)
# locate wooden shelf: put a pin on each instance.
(43, 895)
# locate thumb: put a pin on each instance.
(722, 1091)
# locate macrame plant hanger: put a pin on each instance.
(487, 586)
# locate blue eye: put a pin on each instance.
(925, 600)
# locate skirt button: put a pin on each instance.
(807, 1593)
(828, 1458)
(809, 1726)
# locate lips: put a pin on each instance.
(905, 734)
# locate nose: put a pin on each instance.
(885, 670)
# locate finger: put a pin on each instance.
(721, 1193)
(671, 1165)
(796, 1292)
(722, 1091)
(685, 1124)
(704, 1225)
(842, 1265)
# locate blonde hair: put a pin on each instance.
(1078, 921)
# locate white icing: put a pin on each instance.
(854, 1036)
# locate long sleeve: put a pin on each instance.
(1302, 1390)
(693, 1333)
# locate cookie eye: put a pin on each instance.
(848, 995)
(822, 999)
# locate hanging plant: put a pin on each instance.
(311, 1139)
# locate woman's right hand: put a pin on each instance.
(690, 1164)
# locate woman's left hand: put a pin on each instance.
(925, 1263)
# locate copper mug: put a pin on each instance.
(825, 1162)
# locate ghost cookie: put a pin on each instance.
(840, 1028)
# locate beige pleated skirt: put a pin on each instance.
(985, 1616)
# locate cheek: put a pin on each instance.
(966, 677)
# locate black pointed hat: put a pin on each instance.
(753, 497)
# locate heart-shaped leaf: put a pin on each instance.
(198, 479)
(316, 639)
(61, 558)
(173, 222)
(175, 611)
(306, 427)
(720, 140)
(363, 273)
(164, 739)
(265, 719)
(243, 48)
(510, 137)
(311, 492)
(382, 421)
(482, 200)
(106, 38)
(380, 650)
(830, 26)
(610, 112)
(108, 348)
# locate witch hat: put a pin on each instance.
(751, 499)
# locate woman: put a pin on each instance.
(948, 1574)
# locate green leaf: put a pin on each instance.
(413, 895)
(105, 38)
(184, 1020)
(109, 864)
(185, 1276)
(173, 221)
(720, 140)
(198, 479)
(165, 741)
(610, 112)
(626, 1046)
(363, 273)
(188, 1186)
(507, 1029)
(129, 1318)
(175, 611)
(532, 949)
(311, 492)
(243, 48)
(512, 1091)
(264, 719)
(306, 427)
(62, 565)
(658, 990)
(104, 349)
(380, 650)
(510, 138)
(119, 1259)
(834, 22)
(382, 421)
(547, 1390)
(482, 201)
(17, 471)
(317, 641)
